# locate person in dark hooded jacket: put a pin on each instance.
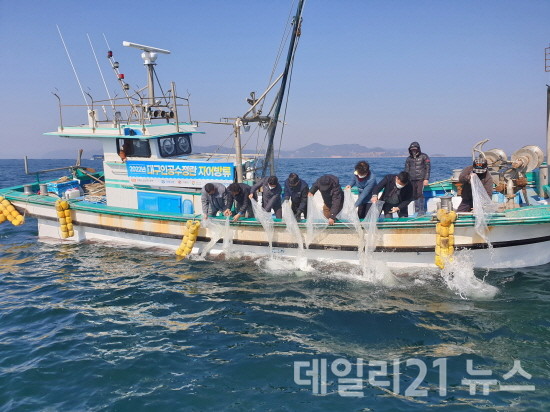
(333, 196)
(296, 191)
(418, 167)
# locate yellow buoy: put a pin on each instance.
(189, 238)
(444, 239)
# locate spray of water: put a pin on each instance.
(459, 277)
(266, 221)
(316, 222)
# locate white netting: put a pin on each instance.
(292, 225)
(369, 225)
(294, 230)
(374, 270)
(483, 206)
(265, 220)
(218, 230)
(227, 236)
(348, 215)
(316, 222)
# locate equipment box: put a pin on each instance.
(60, 188)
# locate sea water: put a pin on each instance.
(94, 326)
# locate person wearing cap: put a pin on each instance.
(365, 182)
(214, 199)
(333, 196)
(479, 168)
(418, 167)
(296, 191)
(271, 195)
(397, 195)
(238, 194)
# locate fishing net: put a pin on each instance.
(373, 269)
(316, 221)
(348, 215)
(265, 220)
(217, 230)
(227, 236)
(369, 225)
(292, 225)
(483, 207)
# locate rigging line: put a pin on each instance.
(287, 97)
(160, 86)
(220, 145)
(251, 134)
(101, 73)
(106, 42)
(74, 70)
(287, 31)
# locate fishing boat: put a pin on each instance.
(149, 193)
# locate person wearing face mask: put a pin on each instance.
(296, 191)
(479, 168)
(365, 182)
(397, 195)
(271, 195)
(418, 167)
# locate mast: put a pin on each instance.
(269, 155)
(149, 57)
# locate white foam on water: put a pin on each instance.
(459, 277)
(275, 265)
(316, 222)
(265, 219)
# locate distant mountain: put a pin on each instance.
(343, 150)
(321, 150)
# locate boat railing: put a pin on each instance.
(140, 110)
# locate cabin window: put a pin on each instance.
(176, 145)
(133, 148)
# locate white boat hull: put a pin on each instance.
(516, 244)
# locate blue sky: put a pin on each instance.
(377, 73)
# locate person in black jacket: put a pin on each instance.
(271, 195)
(296, 191)
(418, 167)
(398, 193)
(332, 193)
(238, 194)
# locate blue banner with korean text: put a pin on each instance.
(179, 174)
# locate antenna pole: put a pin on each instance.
(72, 65)
(101, 73)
